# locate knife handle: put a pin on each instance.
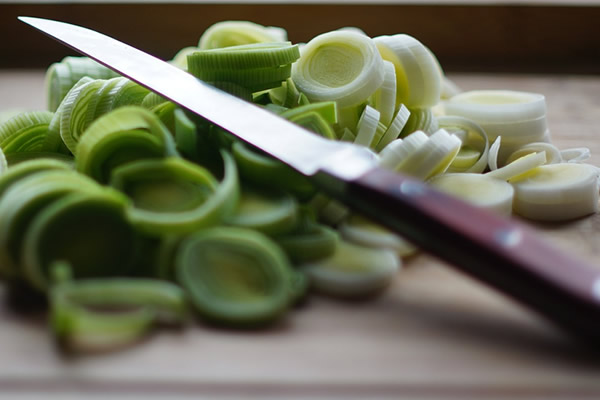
(501, 252)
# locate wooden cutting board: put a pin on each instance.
(434, 334)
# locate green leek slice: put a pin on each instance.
(309, 241)
(60, 77)
(172, 195)
(87, 230)
(272, 212)
(104, 314)
(233, 33)
(343, 66)
(25, 132)
(266, 171)
(247, 56)
(26, 168)
(235, 276)
(21, 203)
(121, 136)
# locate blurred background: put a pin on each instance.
(536, 36)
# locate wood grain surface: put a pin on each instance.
(434, 334)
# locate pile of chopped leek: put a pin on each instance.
(126, 211)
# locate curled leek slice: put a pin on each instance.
(60, 77)
(235, 276)
(575, 155)
(342, 66)
(234, 33)
(481, 190)
(87, 230)
(353, 271)
(418, 74)
(104, 314)
(123, 135)
(557, 192)
(473, 154)
(24, 200)
(172, 195)
(553, 154)
(25, 132)
(268, 211)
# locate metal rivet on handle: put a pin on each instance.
(509, 237)
(413, 188)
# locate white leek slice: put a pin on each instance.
(432, 158)
(480, 190)
(557, 192)
(400, 149)
(493, 154)
(394, 128)
(475, 144)
(233, 33)
(384, 98)
(497, 106)
(575, 155)
(418, 76)
(519, 166)
(367, 126)
(365, 232)
(344, 66)
(553, 155)
(353, 271)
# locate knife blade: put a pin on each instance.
(503, 253)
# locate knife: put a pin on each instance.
(501, 252)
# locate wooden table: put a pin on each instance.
(435, 334)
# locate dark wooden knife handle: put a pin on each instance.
(504, 253)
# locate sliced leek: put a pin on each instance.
(473, 154)
(418, 75)
(353, 271)
(557, 192)
(483, 191)
(94, 315)
(121, 136)
(24, 200)
(268, 211)
(343, 66)
(87, 230)
(235, 276)
(234, 33)
(172, 195)
(361, 231)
